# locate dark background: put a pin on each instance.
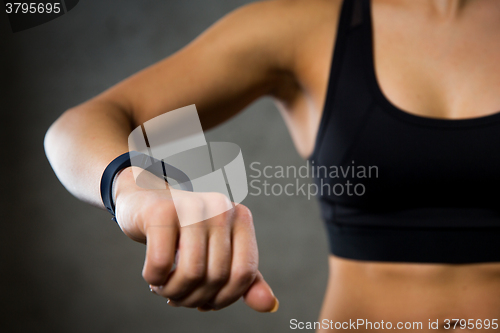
(65, 266)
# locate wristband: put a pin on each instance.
(133, 158)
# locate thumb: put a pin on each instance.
(260, 297)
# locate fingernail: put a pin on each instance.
(276, 305)
(152, 289)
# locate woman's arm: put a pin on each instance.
(247, 54)
(242, 57)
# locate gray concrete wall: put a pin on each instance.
(65, 266)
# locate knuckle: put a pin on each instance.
(192, 204)
(156, 269)
(244, 275)
(164, 211)
(194, 201)
(174, 296)
(152, 277)
(219, 201)
(159, 261)
(192, 303)
(224, 303)
(221, 220)
(219, 278)
(243, 214)
(218, 206)
(194, 274)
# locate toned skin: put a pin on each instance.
(432, 58)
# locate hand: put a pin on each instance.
(217, 258)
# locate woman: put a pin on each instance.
(412, 88)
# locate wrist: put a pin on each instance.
(133, 179)
(120, 177)
(123, 181)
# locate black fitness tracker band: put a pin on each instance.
(151, 164)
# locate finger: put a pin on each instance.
(260, 297)
(218, 263)
(191, 265)
(204, 308)
(160, 253)
(244, 261)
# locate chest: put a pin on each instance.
(423, 67)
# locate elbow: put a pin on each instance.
(52, 139)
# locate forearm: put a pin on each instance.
(225, 69)
(83, 141)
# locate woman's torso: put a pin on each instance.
(412, 293)
(452, 73)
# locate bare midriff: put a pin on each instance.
(411, 293)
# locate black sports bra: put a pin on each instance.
(395, 186)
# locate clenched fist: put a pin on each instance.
(217, 258)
